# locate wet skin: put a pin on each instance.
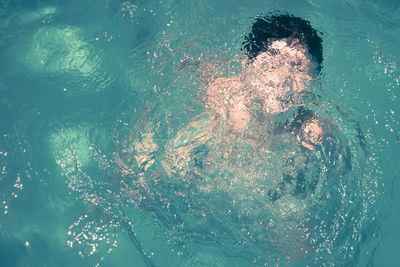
(276, 79)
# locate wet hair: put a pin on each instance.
(272, 27)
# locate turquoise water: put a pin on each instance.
(82, 83)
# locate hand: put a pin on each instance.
(311, 134)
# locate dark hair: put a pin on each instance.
(271, 27)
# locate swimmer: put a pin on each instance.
(282, 56)
(229, 148)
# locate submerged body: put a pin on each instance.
(240, 141)
(256, 144)
(240, 126)
(272, 83)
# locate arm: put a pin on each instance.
(133, 162)
(306, 126)
(178, 151)
(322, 131)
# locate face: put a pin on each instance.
(280, 73)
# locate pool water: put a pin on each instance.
(89, 88)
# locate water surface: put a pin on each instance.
(82, 83)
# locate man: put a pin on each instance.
(282, 56)
(257, 143)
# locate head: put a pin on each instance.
(282, 54)
(269, 29)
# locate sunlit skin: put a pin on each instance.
(276, 78)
